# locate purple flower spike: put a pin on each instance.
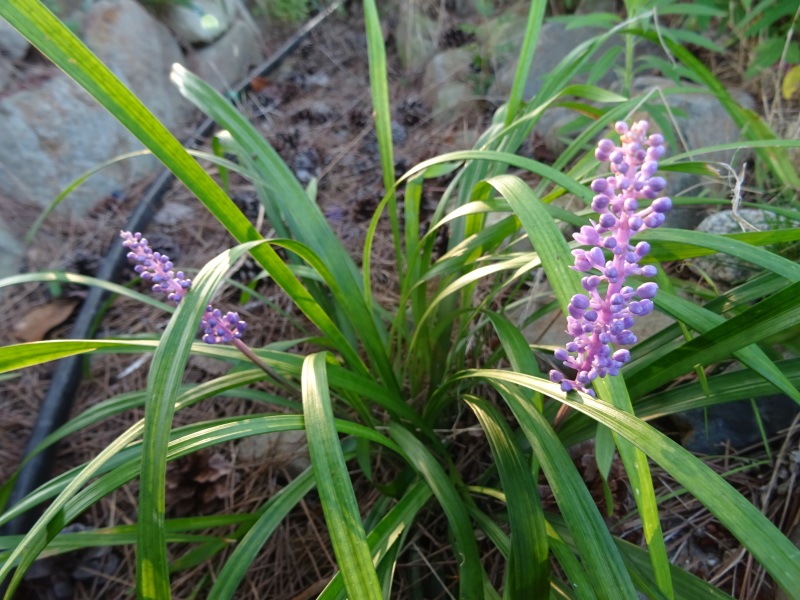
(157, 268)
(604, 316)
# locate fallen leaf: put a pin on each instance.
(791, 82)
(40, 320)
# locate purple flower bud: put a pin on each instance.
(600, 186)
(607, 220)
(595, 257)
(647, 290)
(657, 184)
(157, 268)
(654, 220)
(580, 301)
(622, 355)
(661, 205)
(600, 202)
(649, 271)
(588, 236)
(606, 145)
(590, 283)
(631, 205)
(556, 376)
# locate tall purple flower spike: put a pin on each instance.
(157, 268)
(602, 318)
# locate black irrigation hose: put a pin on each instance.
(56, 405)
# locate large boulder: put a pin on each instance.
(12, 44)
(56, 132)
(229, 59)
(445, 84)
(702, 122)
(140, 51)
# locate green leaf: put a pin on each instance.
(166, 373)
(305, 219)
(775, 314)
(596, 549)
(753, 128)
(335, 489)
(465, 544)
(767, 544)
(272, 514)
(527, 574)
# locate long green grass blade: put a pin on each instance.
(527, 575)
(305, 219)
(596, 549)
(386, 533)
(767, 544)
(466, 547)
(775, 314)
(61, 46)
(335, 489)
(379, 84)
(753, 128)
(526, 54)
(166, 374)
(247, 549)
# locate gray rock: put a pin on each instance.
(728, 269)
(503, 41)
(12, 44)
(52, 135)
(733, 423)
(11, 252)
(140, 51)
(230, 58)
(173, 213)
(56, 132)
(6, 72)
(203, 21)
(706, 123)
(285, 448)
(445, 86)
(416, 37)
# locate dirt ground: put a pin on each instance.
(316, 111)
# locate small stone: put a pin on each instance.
(173, 213)
(203, 21)
(728, 269)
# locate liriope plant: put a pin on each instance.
(391, 379)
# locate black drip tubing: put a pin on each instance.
(55, 407)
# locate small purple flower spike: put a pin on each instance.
(157, 268)
(601, 319)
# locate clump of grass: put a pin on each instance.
(391, 380)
